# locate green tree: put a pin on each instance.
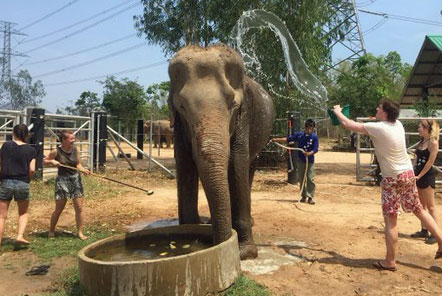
(363, 83)
(172, 24)
(125, 100)
(427, 107)
(157, 95)
(23, 92)
(87, 102)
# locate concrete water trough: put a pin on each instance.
(206, 271)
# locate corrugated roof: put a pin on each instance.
(426, 76)
(437, 40)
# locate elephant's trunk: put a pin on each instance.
(211, 149)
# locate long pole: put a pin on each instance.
(149, 192)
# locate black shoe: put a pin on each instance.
(311, 201)
(303, 199)
(420, 234)
(431, 240)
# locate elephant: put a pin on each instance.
(160, 128)
(222, 119)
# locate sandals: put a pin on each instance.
(21, 243)
(38, 270)
(380, 266)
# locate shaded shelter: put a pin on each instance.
(426, 77)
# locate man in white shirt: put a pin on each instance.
(398, 181)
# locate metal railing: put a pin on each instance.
(369, 172)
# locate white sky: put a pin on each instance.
(402, 36)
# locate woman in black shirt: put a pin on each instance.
(17, 169)
(426, 154)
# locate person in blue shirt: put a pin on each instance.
(308, 141)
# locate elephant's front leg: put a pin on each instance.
(240, 200)
(187, 183)
(156, 140)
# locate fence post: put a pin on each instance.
(140, 137)
(37, 138)
(99, 141)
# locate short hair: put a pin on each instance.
(392, 109)
(64, 134)
(21, 132)
(310, 123)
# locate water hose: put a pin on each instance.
(306, 164)
(149, 192)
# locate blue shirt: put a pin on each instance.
(307, 142)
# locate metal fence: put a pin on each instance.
(370, 171)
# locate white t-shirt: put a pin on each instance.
(390, 148)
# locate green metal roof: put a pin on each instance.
(437, 40)
(426, 77)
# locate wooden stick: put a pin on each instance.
(149, 192)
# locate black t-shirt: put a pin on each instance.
(15, 161)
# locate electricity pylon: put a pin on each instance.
(349, 31)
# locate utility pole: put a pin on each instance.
(348, 30)
(7, 29)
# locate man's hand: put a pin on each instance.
(55, 163)
(337, 109)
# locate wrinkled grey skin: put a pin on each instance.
(160, 128)
(222, 119)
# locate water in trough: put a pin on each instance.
(152, 247)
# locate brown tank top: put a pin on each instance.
(70, 159)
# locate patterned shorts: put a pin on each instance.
(68, 187)
(397, 191)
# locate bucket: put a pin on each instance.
(334, 119)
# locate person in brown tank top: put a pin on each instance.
(68, 181)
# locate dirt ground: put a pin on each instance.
(324, 249)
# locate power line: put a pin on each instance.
(365, 4)
(48, 15)
(93, 60)
(20, 65)
(83, 50)
(85, 28)
(403, 18)
(110, 74)
(376, 26)
(75, 24)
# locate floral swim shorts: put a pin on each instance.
(397, 191)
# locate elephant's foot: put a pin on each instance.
(190, 220)
(248, 252)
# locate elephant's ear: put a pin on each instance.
(172, 110)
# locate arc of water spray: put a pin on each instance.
(299, 72)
